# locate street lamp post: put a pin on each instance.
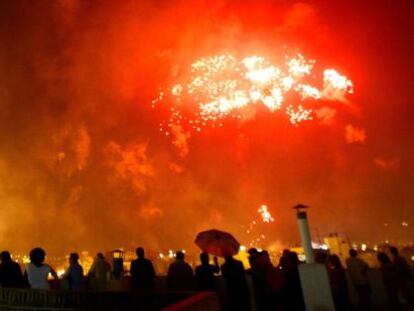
(304, 232)
(313, 277)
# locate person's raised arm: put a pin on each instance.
(54, 274)
(66, 274)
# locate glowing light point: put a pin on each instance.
(266, 216)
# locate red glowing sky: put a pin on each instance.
(82, 162)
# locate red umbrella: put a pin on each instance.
(217, 243)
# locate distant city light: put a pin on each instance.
(60, 272)
(302, 257)
(170, 253)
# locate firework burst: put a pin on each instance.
(265, 214)
(223, 86)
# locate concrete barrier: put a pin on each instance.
(205, 301)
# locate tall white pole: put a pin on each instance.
(314, 278)
(305, 233)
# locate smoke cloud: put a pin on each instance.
(354, 134)
(387, 164)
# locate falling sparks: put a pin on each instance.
(253, 229)
(265, 214)
(334, 80)
(221, 86)
(299, 115)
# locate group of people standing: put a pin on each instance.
(36, 274)
(396, 275)
(263, 286)
(397, 278)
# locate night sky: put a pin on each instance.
(84, 166)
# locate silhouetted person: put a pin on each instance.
(337, 280)
(292, 295)
(99, 273)
(357, 269)
(256, 276)
(236, 285)
(37, 272)
(390, 280)
(74, 273)
(270, 296)
(404, 275)
(283, 261)
(204, 273)
(118, 267)
(180, 274)
(10, 272)
(142, 272)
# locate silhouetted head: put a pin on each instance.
(5, 257)
(321, 257)
(334, 262)
(283, 262)
(100, 256)
(140, 252)
(73, 257)
(284, 259)
(37, 256)
(265, 255)
(253, 257)
(293, 259)
(383, 258)
(179, 255)
(394, 251)
(353, 253)
(285, 253)
(263, 261)
(204, 258)
(228, 258)
(252, 251)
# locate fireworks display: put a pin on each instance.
(222, 86)
(255, 235)
(264, 212)
(82, 150)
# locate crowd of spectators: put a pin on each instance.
(264, 286)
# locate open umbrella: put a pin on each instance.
(217, 243)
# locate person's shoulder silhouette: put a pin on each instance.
(142, 272)
(10, 272)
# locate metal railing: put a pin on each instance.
(30, 299)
